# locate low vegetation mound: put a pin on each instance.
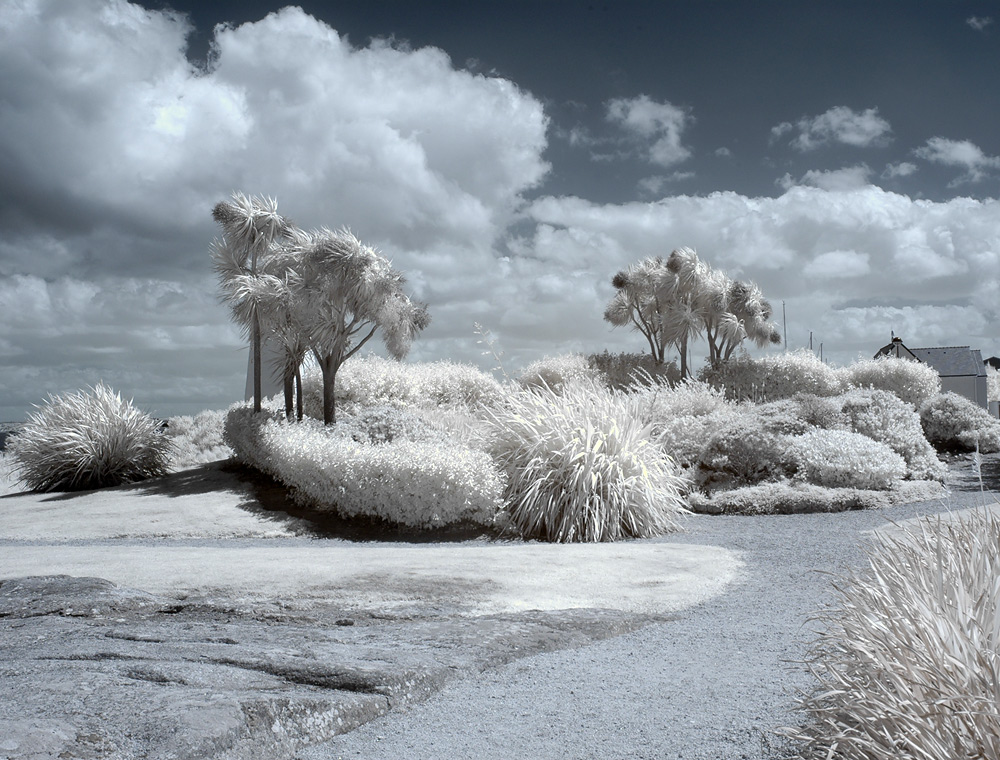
(86, 440)
(426, 483)
(953, 423)
(197, 440)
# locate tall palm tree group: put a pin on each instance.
(678, 300)
(315, 292)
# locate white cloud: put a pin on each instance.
(840, 124)
(838, 265)
(848, 178)
(660, 124)
(723, 152)
(845, 262)
(979, 23)
(900, 169)
(961, 153)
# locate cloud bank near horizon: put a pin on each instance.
(116, 148)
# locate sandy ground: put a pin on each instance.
(210, 532)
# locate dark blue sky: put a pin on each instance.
(738, 68)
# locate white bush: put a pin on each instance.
(197, 440)
(84, 440)
(622, 371)
(790, 497)
(581, 466)
(683, 418)
(373, 380)
(884, 417)
(411, 483)
(951, 421)
(841, 459)
(769, 378)
(911, 381)
(742, 453)
(556, 371)
(908, 661)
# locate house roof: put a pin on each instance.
(952, 361)
(993, 361)
(948, 361)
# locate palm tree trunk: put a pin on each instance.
(683, 347)
(289, 389)
(298, 393)
(329, 379)
(256, 364)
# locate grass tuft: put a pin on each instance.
(82, 440)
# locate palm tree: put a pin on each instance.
(250, 227)
(635, 303)
(347, 293)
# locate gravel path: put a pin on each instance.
(710, 685)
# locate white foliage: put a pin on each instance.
(581, 466)
(952, 421)
(842, 459)
(411, 483)
(913, 382)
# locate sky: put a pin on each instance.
(509, 158)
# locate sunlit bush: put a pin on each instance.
(556, 371)
(622, 371)
(418, 484)
(795, 497)
(742, 453)
(197, 440)
(841, 459)
(87, 440)
(683, 418)
(884, 417)
(373, 380)
(913, 382)
(769, 378)
(908, 658)
(384, 423)
(952, 422)
(581, 466)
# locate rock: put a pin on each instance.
(92, 670)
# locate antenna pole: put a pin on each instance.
(784, 324)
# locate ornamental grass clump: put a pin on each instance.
(85, 440)
(581, 466)
(908, 659)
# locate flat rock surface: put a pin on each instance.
(202, 615)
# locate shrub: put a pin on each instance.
(952, 422)
(908, 660)
(87, 440)
(197, 440)
(769, 378)
(883, 417)
(740, 454)
(841, 459)
(581, 466)
(913, 382)
(373, 380)
(622, 371)
(789, 497)
(992, 383)
(384, 423)
(683, 418)
(411, 483)
(556, 371)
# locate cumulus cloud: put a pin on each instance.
(114, 148)
(659, 125)
(979, 23)
(840, 124)
(900, 169)
(848, 178)
(961, 153)
(843, 261)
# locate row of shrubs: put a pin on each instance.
(565, 453)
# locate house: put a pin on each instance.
(993, 361)
(961, 368)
